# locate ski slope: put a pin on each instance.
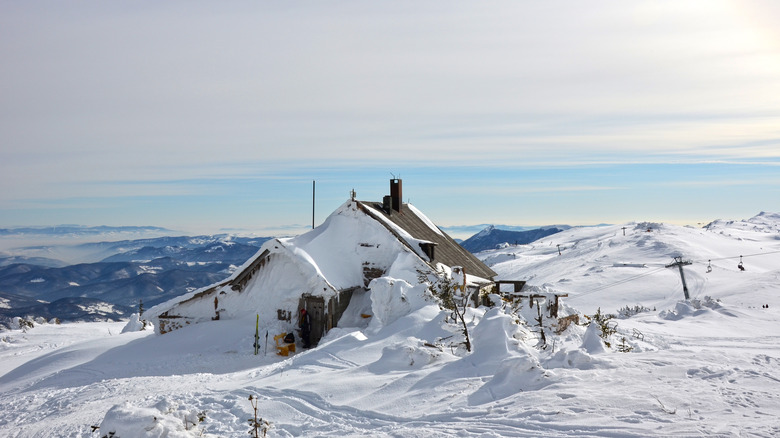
(706, 367)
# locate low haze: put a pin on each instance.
(205, 116)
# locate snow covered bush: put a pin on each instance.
(454, 299)
(257, 424)
(706, 302)
(623, 347)
(692, 307)
(628, 311)
(162, 420)
(602, 320)
(593, 340)
(136, 324)
(22, 324)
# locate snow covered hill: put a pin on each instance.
(709, 366)
(602, 267)
(491, 237)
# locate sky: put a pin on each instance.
(212, 116)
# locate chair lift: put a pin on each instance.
(740, 265)
(709, 266)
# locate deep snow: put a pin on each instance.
(706, 367)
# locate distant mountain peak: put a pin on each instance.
(489, 229)
(492, 237)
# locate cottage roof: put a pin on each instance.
(446, 250)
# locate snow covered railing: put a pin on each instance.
(552, 299)
(517, 286)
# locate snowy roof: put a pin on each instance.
(355, 244)
(421, 229)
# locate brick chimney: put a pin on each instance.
(396, 194)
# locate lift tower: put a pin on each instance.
(679, 262)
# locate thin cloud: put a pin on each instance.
(184, 99)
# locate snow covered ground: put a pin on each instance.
(706, 367)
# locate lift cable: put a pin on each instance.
(739, 256)
(619, 282)
(645, 274)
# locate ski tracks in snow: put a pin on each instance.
(315, 416)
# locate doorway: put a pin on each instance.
(315, 306)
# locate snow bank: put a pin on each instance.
(391, 299)
(165, 420)
(692, 308)
(412, 353)
(498, 352)
(135, 324)
(592, 342)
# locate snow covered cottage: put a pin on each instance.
(326, 268)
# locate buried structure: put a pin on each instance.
(328, 267)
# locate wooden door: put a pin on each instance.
(316, 308)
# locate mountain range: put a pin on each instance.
(38, 281)
(492, 237)
(152, 270)
(79, 230)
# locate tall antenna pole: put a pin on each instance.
(313, 191)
